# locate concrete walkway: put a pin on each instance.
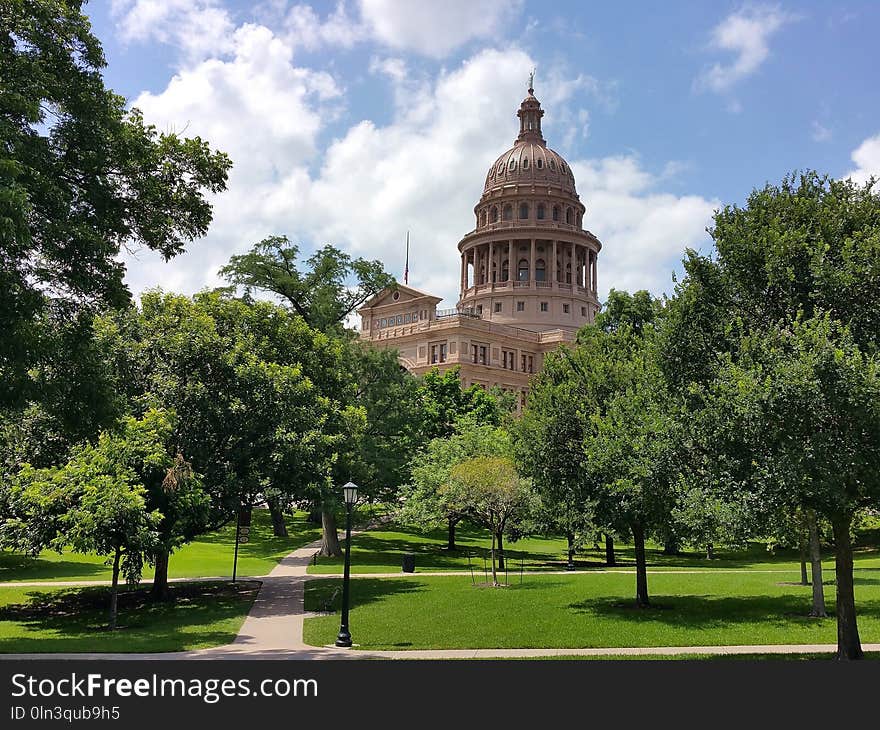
(273, 629)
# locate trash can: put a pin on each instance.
(409, 563)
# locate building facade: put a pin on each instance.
(528, 276)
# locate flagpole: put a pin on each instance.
(406, 265)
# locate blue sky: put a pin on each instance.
(350, 123)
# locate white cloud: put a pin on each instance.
(423, 171)
(643, 230)
(199, 28)
(867, 159)
(266, 114)
(746, 33)
(304, 27)
(435, 28)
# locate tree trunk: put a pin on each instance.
(329, 538)
(670, 547)
(450, 537)
(816, 567)
(710, 551)
(848, 644)
(500, 552)
(570, 538)
(114, 589)
(494, 575)
(279, 529)
(610, 560)
(641, 567)
(159, 591)
(803, 548)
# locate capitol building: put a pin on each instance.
(528, 276)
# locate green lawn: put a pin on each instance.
(209, 555)
(199, 615)
(586, 611)
(381, 551)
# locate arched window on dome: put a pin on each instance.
(505, 270)
(522, 273)
(512, 165)
(539, 163)
(556, 212)
(568, 273)
(579, 219)
(525, 163)
(540, 270)
(493, 214)
(507, 213)
(494, 272)
(523, 211)
(568, 216)
(541, 211)
(552, 165)
(482, 218)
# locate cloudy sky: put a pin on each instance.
(353, 122)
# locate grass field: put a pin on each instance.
(199, 615)
(381, 551)
(207, 556)
(592, 610)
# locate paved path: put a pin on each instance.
(273, 629)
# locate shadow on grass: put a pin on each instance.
(75, 620)
(14, 566)
(263, 543)
(703, 612)
(325, 594)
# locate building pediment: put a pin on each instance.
(400, 294)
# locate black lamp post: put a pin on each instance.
(350, 492)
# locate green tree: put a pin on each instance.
(427, 501)
(548, 444)
(261, 398)
(795, 419)
(81, 176)
(444, 402)
(797, 251)
(493, 495)
(107, 498)
(322, 294)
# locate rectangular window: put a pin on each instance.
(406, 318)
(527, 363)
(497, 307)
(473, 353)
(415, 316)
(443, 352)
(483, 359)
(531, 364)
(399, 319)
(479, 309)
(384, 323)
(507, 359)
(434, 354)
(520, 306)
(583, 311)
(544, 306)
(566, 308)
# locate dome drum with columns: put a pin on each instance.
(528, 275)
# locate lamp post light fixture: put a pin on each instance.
(350, 493)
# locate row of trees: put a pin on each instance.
(745, 406)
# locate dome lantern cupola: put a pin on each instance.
(530, 114)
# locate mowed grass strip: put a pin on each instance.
(382, 550)
(207, 556)
(577, 611)
(197, 616)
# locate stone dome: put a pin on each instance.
(530, 162)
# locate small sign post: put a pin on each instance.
(242, 533)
